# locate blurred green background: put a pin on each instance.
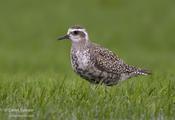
(140, 31)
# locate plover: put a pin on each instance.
(95, 63)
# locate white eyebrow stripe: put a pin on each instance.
(82, 30)
(71, 30)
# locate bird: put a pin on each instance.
(95, 63)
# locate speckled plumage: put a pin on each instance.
(96, 63)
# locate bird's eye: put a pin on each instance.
(75, 32)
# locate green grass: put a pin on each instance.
(35, 70)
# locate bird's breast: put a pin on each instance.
(80, 59)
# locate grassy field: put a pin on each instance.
(36, 79)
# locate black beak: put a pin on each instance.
(63, 37)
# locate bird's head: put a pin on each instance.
(76, 34)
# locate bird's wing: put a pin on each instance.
(106, 60)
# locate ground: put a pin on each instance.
(36, 79)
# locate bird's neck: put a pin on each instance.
(80, 45)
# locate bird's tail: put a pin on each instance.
(144, 72)
(135, 73)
